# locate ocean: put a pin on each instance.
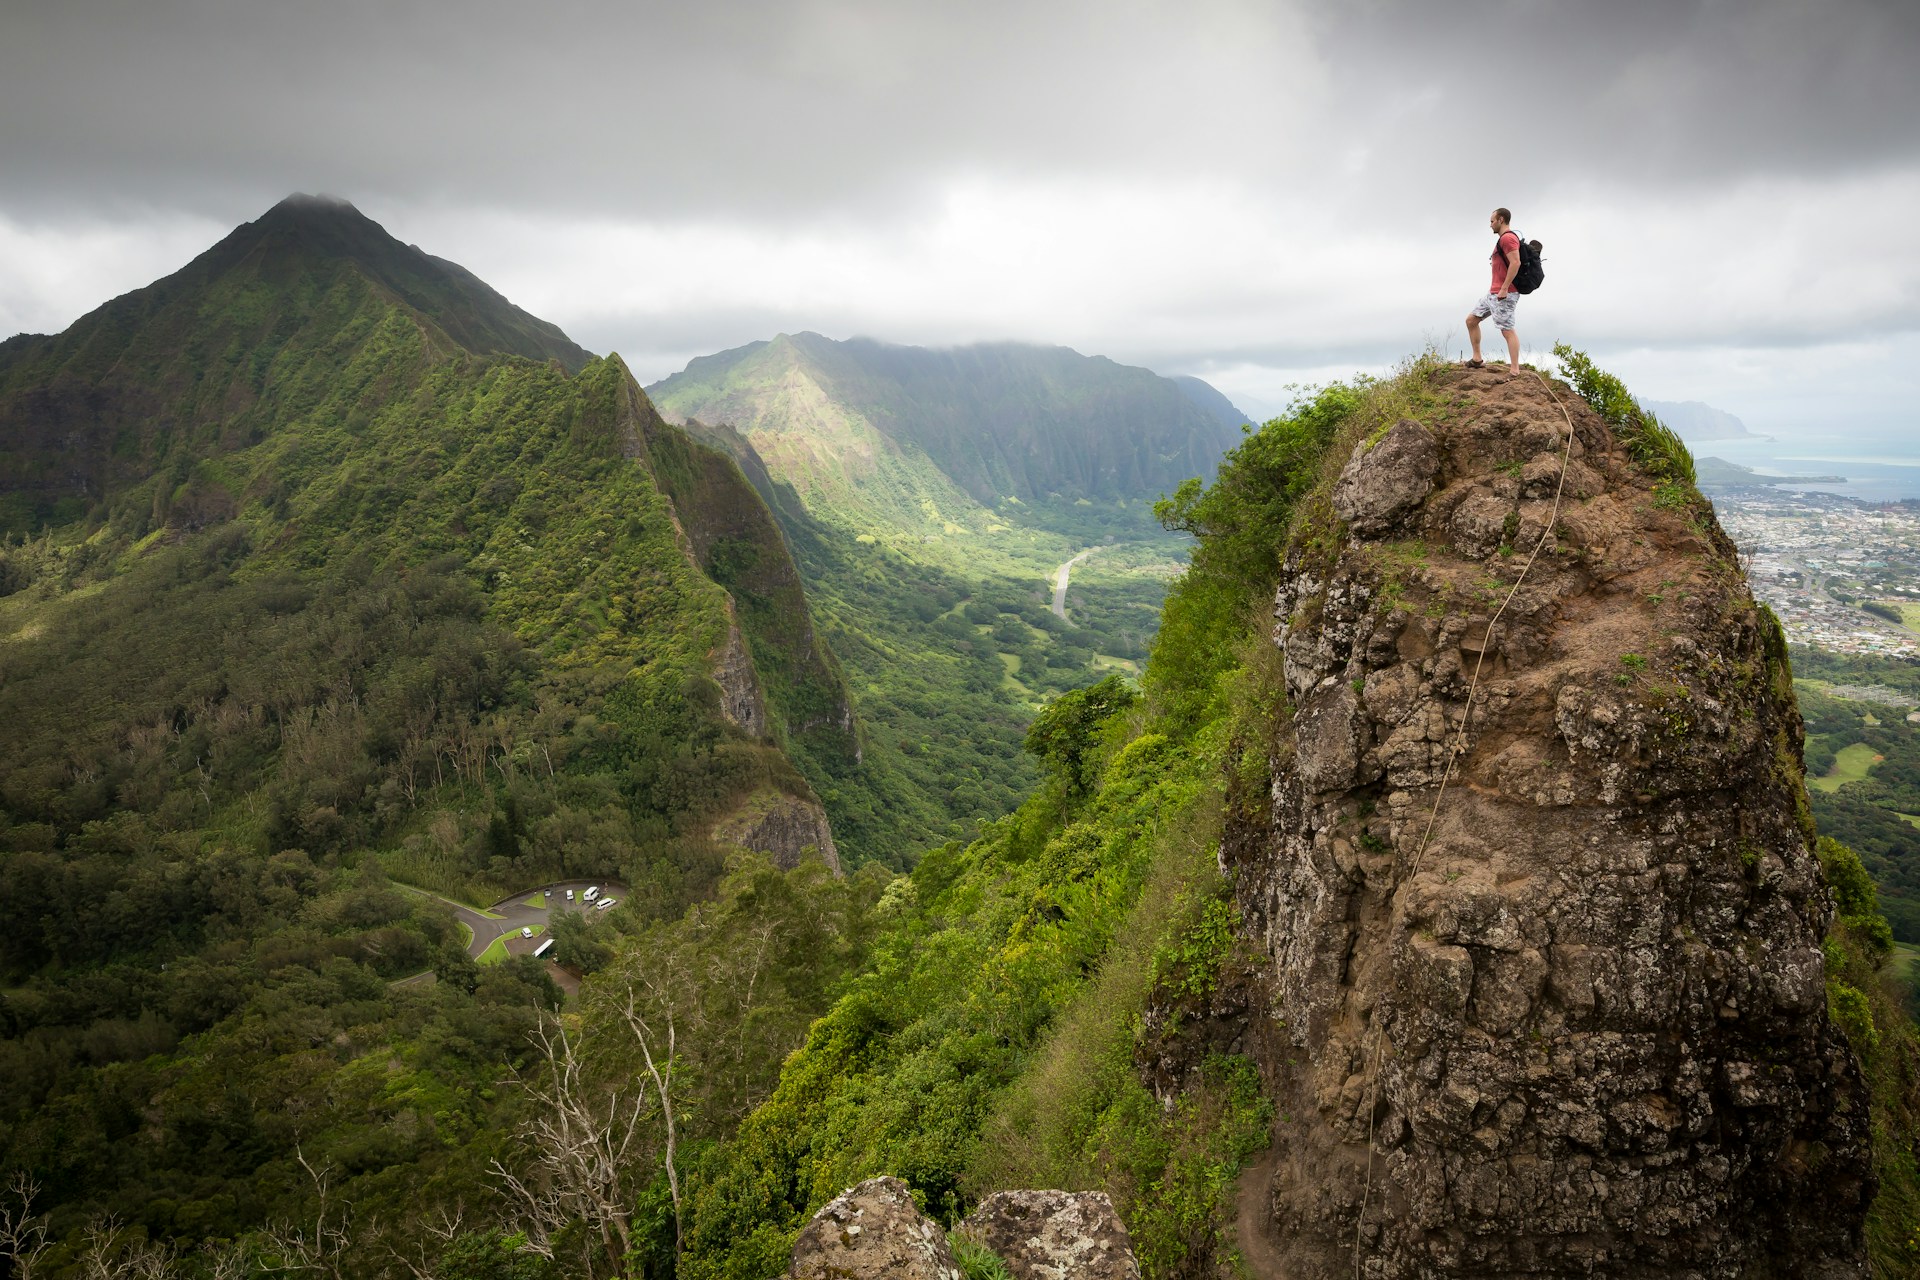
(1877, 468)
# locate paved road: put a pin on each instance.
(1060, 582)
(507, 917)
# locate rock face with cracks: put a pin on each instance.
(1580, 1028)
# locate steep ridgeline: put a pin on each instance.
(309, 417)
(912, 438)
(1557, 1004)
(194, 363)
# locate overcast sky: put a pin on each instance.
(1258, 193)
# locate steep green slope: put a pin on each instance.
(189, 365)
(347, 600)
(936, 438)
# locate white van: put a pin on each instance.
(593, 891)
(569, 895)
(604, 903)
(527, 932)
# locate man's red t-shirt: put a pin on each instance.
(1508, 243)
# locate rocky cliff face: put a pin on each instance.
(1571, 1019)
(781, 826)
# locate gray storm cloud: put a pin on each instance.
(778, 110)
(1212, 185)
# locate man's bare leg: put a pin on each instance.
(1473, 334)
(1513, 350)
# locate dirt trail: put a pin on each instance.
(1250, 1214)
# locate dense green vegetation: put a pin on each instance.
(1864, 806)
(347, 600)
(1872, 1005)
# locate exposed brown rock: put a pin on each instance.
(782, 826)
(1055, 1235)
(740, 698)
(1583, 1031)
(1385, 479)
(873, 1232)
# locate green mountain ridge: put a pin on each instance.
(937, 440)
(159, 373)
(342, 427)
(930, 497)
(328, 569)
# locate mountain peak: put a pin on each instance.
(303, 204)
(321, 231)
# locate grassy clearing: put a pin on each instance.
(1850, 764)
(538, 901)
(1901, 963)
(458, 902)
(1909, 614)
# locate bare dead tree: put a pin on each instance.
(751, 955)
(225, 1261)
(580, 1137)
(109, 1252)
(661, 1069)
(23, 1233)
(319, 1246)
(429, 1235)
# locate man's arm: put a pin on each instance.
(1513, 269)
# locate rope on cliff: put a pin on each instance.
(1459, 748)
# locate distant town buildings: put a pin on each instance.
(1816, 558)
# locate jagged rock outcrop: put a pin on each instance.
(740, 698)
(873, 1232)
(1582, 1027)
(781, 826)
(1054, 1235)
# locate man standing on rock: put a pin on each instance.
(1500, 299)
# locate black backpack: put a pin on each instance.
(1531, 273)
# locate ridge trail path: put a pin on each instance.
(1060, 582)
(1251, 1209)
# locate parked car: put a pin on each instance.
(569, 895)
(593, 891)
(604, 903)
(527, 932)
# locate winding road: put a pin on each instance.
(1060, 582)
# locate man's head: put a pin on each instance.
(1499, 220)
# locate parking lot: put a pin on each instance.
(498, 928)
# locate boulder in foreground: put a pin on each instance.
(1054, 1235)
(873, 1232)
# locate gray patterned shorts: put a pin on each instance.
(1501, 309)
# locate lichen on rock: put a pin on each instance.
(1054, 1235)
(873, 1231)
